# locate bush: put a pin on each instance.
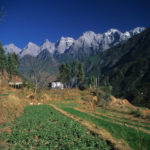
(103, 95)
(136, 113)
(83, 86)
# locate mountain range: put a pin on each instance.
(87, 44)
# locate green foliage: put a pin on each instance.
(65, 73)
(136, 139)
(12, 64)
(103, 94)
(3, 61)
(91, 81)
(75, 71)
(81, 74)
(75, 68)
(42, 127)
(72, 74)
(83, 86)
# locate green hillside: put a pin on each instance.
(126, 67)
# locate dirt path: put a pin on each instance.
(113, 142)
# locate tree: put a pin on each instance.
(68, 74)
(65, 73)
(2, 59)
(75, 71)
(62, 69)
(91, 81)
(12, 64)
(81, 74)
(2, 63)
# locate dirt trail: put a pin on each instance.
(115, 143)
(130, 126)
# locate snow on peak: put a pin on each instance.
(48, 46)
(137, 30)
(112, 31)
(127, 34)
(31, 49)
(66, 39)
(11, 48)
(30, 44)
(63, 44)
(89, 33)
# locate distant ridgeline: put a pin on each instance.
(126, 67)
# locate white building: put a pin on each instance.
(15, 84)
(56, 85)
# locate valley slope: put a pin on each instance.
(126, 67)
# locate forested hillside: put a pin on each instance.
(126, 67)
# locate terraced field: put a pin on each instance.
(136, 132)
(84, 126)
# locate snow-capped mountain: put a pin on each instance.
(87, 44)
(11, 48)
(63, 44)
(88, 39)
(47, 45)
(31, 49)
(100, 42)
(137, 30)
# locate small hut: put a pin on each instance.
(15, 84)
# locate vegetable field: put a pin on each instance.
(43, 128)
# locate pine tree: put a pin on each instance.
(68, 74)
(2, 60)
(91, 81)
(12, 64)
(65, 73)
(62, 73)
(81, 74)
(15, 63)
(75, 71)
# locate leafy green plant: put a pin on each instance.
(42, 127)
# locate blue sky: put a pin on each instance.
(37, 20)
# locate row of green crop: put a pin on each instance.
(43, 128)
(115, 115)
(135, 138)
(123, 122)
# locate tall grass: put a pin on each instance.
(11, 108)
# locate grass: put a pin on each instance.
(4, 94)
(42, 128)
(67, 104)
(135, 138)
